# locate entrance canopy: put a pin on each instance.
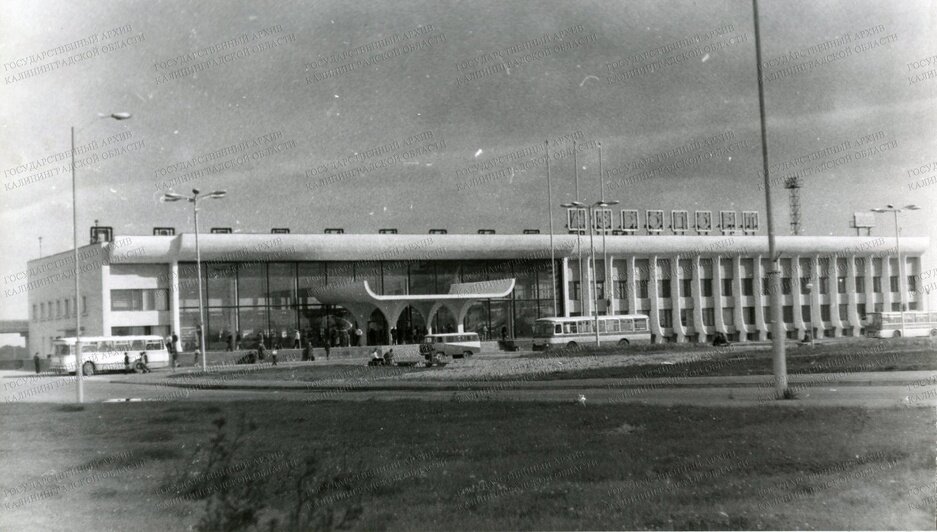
(360, 299)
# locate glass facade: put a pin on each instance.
(275, 299)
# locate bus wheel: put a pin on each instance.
(897, 334)
(624, 342)
(466, 354)
(87, 369)
(571, 345)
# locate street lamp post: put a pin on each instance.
(79, 369)
(901, 278)
(194, 199)
(590, 217)
(546, 146)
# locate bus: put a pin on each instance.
(106, 353)
(439, 347)
(623, 329)
(888, 324)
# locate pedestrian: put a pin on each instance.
(504, 332)
(37, 362)
(261, 352)
(393, 335)
(126, 362)
(389, 357)
(306, 351)
(142, 363)
(230, 341)
(327, 350)
(175, 360)
(175, 342)
(237, 340)
(297, 339)
(195, 359)
(484, 332)
(273, 355)
(263, 338)
(358, 334)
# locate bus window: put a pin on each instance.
(89, 347)
(585, 327)
(558, 329)
(627, 325)
(63, 350)
(640, 324)
(601, 326)
(154, 345)
(570, 328)
(137, 345)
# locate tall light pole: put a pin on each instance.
(546, 146)
(901, 278)
(79, 369)
(774, 275)
(590, 217)
(194, 199)
(605, 272)
(578, 221)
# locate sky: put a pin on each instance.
(416, 115)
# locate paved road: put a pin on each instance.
(873, 389)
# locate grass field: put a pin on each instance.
(484, 465)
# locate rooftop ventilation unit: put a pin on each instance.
(164, 231)
(387, 231)
(221, 230)
(101, 233)
(280, 231)
(531, 231)
(486, 231)
(438, 231)
(334, 231)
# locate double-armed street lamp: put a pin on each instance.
(194, 199)
(901, 278)
(79, 366)
(590, 216)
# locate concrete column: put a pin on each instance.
(739, 299)
(869, 289)
(610, 286)
(815, 318)
(653, 276)
(696, 292)
(903, 281)
(566, 276)
(105, 299)
(761, 320)
(852, 297)
(630, 287)
(887, 298)
(718, 295)
(834, 273)
(675, 301)
(798, 299)
(174, 299)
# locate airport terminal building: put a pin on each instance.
(396, 285)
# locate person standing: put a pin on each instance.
(126, 362)
(237, 340)
(175, 342)
(504, 332)
(38, 362)
(297, 339)
(393, 335)
(142, 363)
(484, 332)
(273, 355)
(195, 359)
(358, 334)
(263, 339)
(327, 350)
(261, 351)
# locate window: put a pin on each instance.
(728, 316)
(707, 287)
(788, 313)
(727, 287)
(804, 281)
(42, 308)
(686, 287)
(860, 309)
(844, 312)
(642, 288)
(35, 314)
(600, 290)
(765, 286)
(709, 317)
(824, 313)
(895, 307)
(665, 317)
(786, 283)
(58, 308)
(805, 312)
(686, 317)
(912, 285)
(620, 288)
(893, 283)
(766, 312)
(840, 285)
(663, 288)
(84, 305)
(68, 308)
(748, 287)
(824, 285)
(748, 315)
(860, 285)
(574, 290)
(877, 285)
(139, 299)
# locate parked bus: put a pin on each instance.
(438, 348)
(888, 324)
(624, 329)
(106, 353)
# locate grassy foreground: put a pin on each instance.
(487, 465)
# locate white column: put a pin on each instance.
(718, 295)
(610, 287)
(676, 294)
(739, 299)
(565, 276)
(630, 287)
(758, 296)
(174, 299)
(887, 298)
(869, 289)
(653, 276)
(852, 297)
(798, 299)
(696, 292)
(106, 299)
(815, 318)
(834, 272)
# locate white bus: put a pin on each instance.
(439, 347)
(888, 324)
(106, 353)
(623, 329)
